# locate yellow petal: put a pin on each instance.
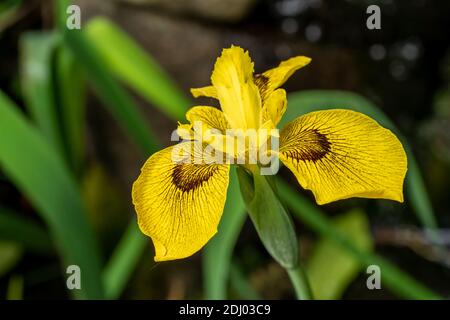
(178, 204)
(211, 117)
(275, 106)
(340, 154)
(276, 77)
(185, 131)
(208, 91)
(238, 95)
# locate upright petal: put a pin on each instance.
(179, 203)
(274, 106)
(272, 79)
(238, 95)
(210, 116)
(340, 154)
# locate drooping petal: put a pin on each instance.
(340, 154)
(274, 106)
(208, 91)
(179, 204)
(276, 77)
(238, 95)
(210, 116)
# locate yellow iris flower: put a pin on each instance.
(337, 154)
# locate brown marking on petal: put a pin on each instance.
(262, 82)
(187, 177)
(311, 145)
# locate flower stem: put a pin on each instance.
(300, 282)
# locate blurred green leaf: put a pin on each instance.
(39, 171)
(9, 10)
(10, 254)
(218, 252)
(241, 285)
(37, 50)
(314, 100)
(137, 69)
(127, 114)
(115, 99)
(392, 277)
(60, 9)
(15, 288)
(124, 260)
(71, 98)
(14, 227)
(331, 268)
(7, 5)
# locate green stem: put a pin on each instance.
(300, 282)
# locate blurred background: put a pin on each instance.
(81, 110)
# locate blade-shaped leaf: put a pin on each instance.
(37, 50)
(331, 268)
(70, 96)
(123, 261)
(218, 253)
(10, 253)
(14, 227)
(241, 285)
(131, 64)
(38, 170)
(115, 99)
(392, 277)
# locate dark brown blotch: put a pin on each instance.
(314, 146)
(189, 177)
(262, 82)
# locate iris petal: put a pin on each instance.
(179, 204)
(274, 78)
(340, 154)
(238, 95)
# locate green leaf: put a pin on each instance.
(137, 69)
(10, 254)
(218, 252)
(15, 288)
(392, 277)
(115, 99)
(71, 98)
(241, 285)
(8, 5)
(14, 227)
(9, 11)
(127, 114)
(271, 221)
(331, 268)
(60, 9)
(39, 171)
(37, 49)
(314, 100)
(123, 261)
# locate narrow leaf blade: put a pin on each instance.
(38, 170)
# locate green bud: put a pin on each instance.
(270, 218)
